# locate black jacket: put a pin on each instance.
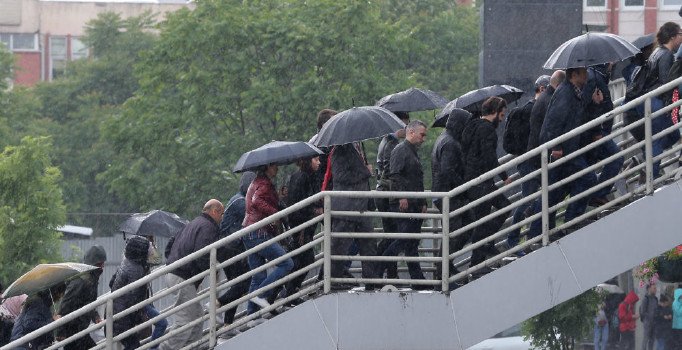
(598, 78)
(199, 233)
(301, 186)
(79, 292)
(537, 117)
(406, 173)
(447, 159)
(386, 146)
(660, 62)
(129, 272)
(565, 112)
(349, 173)
(479, 142)
(35, 313)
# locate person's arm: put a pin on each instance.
(259, 202)
(488, 144)
(205, 235)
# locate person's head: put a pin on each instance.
(95, 256)
(245, 181)
(214, 209)
(669, 35)
(137, 249)
(323, 116)
(494, 109)
(664, 300)
(541, 84)
(309, 165)
(651, 289)
(557, 78)
(577, 76)
(405, 118)
(415, 132)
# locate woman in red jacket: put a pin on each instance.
(261, 202)
(627, 318)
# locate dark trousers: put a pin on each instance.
(611, 169)
(491, 226)
(302, 259)
(627, 341)
(410, 247)
(81, 343)
(238, 290)
(340, 246)
(389, 225)
(528, 188)
(456, 222)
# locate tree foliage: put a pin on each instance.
(562, 326)
(31, 207)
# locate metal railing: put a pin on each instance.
(442, 255)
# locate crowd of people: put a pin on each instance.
(465, 150)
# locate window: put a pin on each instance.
(25, 42)
(595, 3)
(57, 56)
(675, 3)
(78, 49)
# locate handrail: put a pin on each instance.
(507, 162)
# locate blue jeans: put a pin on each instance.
(660, 343)
(601, 336)
(610, 170)
(160, 326)
(527, 188)
(258, 259)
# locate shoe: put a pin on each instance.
(295, 302)
(422, 287)
(260, 302)
(598, 201)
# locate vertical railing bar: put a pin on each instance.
(445, 244)
(648, 146)
(213, 298)
(544, 180)
(326, 267)
(110, 324)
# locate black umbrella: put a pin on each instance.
(644, 41)
(358, 124)
(473, 100)
(590, 49)
(275, 152)
(412, 100)
(153, 223)
(457, 112)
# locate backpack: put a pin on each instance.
(517, 130)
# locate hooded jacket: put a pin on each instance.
(302, 184)
(566, 112)
(35, 314)
(233, 216)
(132, 268)
(626, 312)
(677, 310)
(349, 173)
(479, 142)
(447, 159)
(537, 118)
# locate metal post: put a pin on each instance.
(648, 147)
(327, 246)
(445, 244)
(110, 324)
(213, 299)
(544, 180)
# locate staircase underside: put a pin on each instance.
(478, 310)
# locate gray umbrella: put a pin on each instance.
(358, 124)
(412, 100)
(590, 49)
(644, 41)
(275, 152)
(153, 223)
(473, 100)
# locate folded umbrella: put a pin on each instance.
(473, 100)
(590, 49)
(276, 152)
(45, 276)
(153, 223)
(412, 100)
(358, 124)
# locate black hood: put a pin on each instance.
(456, 122)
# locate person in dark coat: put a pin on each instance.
(37, 313)
(663, 323)
(80, 292)
(531, 185)
(566, 112)
(199, 233)
(479, 139)
(350, 172)
(647, 312)
(406, 175)
(447, 173)
(322, 117)
(386, 146)
(301, 186)
(233, 216)
(133, 267)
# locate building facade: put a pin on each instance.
(45, 34)
(630, 18)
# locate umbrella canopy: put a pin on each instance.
(275, 152)
(45, 276)
(358, 124)
(644, 41)
(412, 100)
(473, 100)
(610, 288)
(590, 49)
(153, 223)
(441, 121)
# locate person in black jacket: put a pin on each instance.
(199, 233)
(37, 313)
(301, 186)
(479, 141)
(406, 174)
(80, 292)
(663, 323)
(447, 173)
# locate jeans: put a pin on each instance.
(661, 343)
(159, 327)
(527, 188)
(258, 259)
(601, 336)
(408, 246)
(611, 169)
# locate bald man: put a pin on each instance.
(199, 233)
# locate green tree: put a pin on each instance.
(562, 326)
(31, 207)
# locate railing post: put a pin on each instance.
(544, 182)
(445, 245)
(213, 298)
(327, 246)
(648, 147)
(110, 324)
